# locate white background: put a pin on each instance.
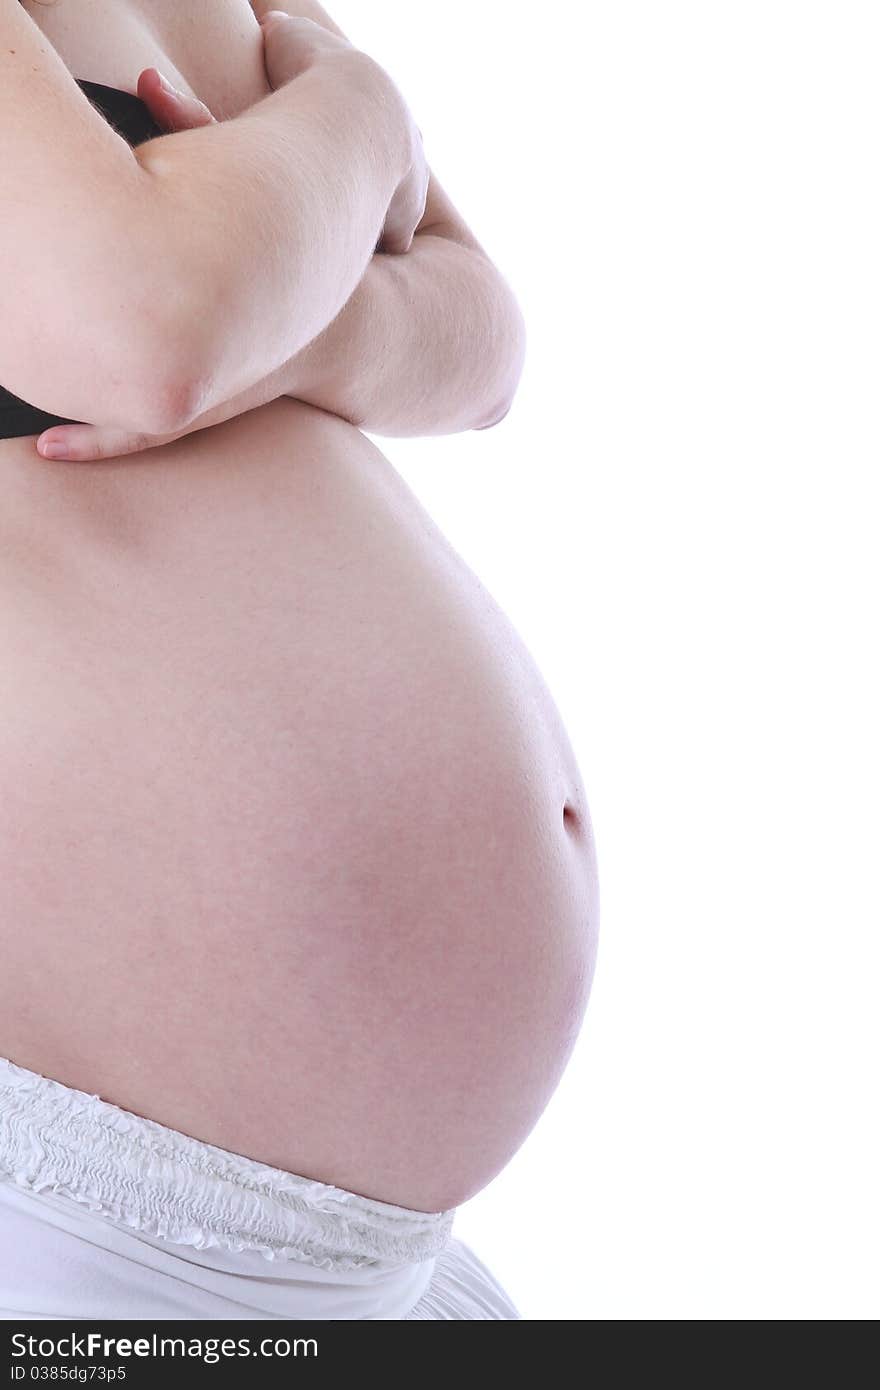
(679, 516)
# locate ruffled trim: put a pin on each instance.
(163, 1183)
(463, 1289)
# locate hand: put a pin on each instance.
(291, 47)
(172, 111)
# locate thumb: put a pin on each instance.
(170, 109)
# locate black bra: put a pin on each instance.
(131, 118)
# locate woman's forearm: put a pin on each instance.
(429, 343)
(432, 346)
(271, 219)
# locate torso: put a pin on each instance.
(294, 852)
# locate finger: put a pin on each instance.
(172, 110)
(87, 444)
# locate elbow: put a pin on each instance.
(495, 416)
(168, 405)
(510, 336)
(161, 330)
(137, 377)
(143, 399)
(169, 380)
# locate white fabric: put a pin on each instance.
(104, 1213)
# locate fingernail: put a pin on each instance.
(166, 85)
(54, 450)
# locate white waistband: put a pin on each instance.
(164, 1183)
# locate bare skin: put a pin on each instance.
(296, 857)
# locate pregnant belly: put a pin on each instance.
(294, 852)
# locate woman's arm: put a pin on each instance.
(395, 391)
(272, 216)
(429, 343)
(440, 216)
(136, 284)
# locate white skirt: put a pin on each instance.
(105, 1214)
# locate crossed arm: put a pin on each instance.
(430, 342)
